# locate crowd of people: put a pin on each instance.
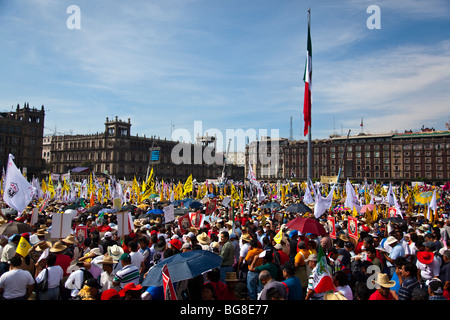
(262, 259)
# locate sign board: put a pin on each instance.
(328, 179)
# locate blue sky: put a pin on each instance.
(230, 64)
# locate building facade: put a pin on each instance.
(409, 156)
(117, 153)
(21, 134)
(266, 156)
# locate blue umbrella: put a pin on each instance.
(177, 203)
(156, 211)
(183, 266)
(107, 210)
(195, 204)
(211, 195)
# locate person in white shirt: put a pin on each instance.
(16, 284)
(54, 276)
(76, 279)
(136, 258)
(340, 281)
(107, 276)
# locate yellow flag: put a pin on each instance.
(161, 194)
(278, 237)
(188, 185)
(50, 187)
(23, 247)
(355, 213)
(44, 186)
(374, 214)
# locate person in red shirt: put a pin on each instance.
(384, 291)
(283, 256)
(62, 260)
(104, 227)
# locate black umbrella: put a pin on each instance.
(95, 209)
(393, 220)
(14, 227)
(272, 205)
(298, 208)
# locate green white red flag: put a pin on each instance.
(322, 279)
(307, 78)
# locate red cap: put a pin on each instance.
(176, 243)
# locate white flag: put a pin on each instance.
(323, 204)
(18, 192)
(307, 199)
(352, 199)
(432, 205)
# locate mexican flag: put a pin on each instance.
(307, 78)
(322, 280)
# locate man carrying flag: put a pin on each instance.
(320, 280)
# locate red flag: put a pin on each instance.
(92, 201)
(332, 225)
(169, 291)
(353, 227)
(211, 206)
(184, 222)
(196, 219)
(307, 78)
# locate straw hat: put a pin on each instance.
(334, 296)
(344, 238)
(70, 239)
(231, 277)
(391, 240)
(246, 237)
(107, 259)
(41, 233)
(203, 238)
(43, 245)
(383, 280)
(58, 246)
(115, 252)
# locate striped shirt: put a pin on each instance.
(129, 273)
(406, 288)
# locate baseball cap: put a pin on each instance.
(436, 286)
(125, 257)
(311, 257)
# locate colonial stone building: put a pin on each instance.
(117, 153)
(21, 134)
(408, 156)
